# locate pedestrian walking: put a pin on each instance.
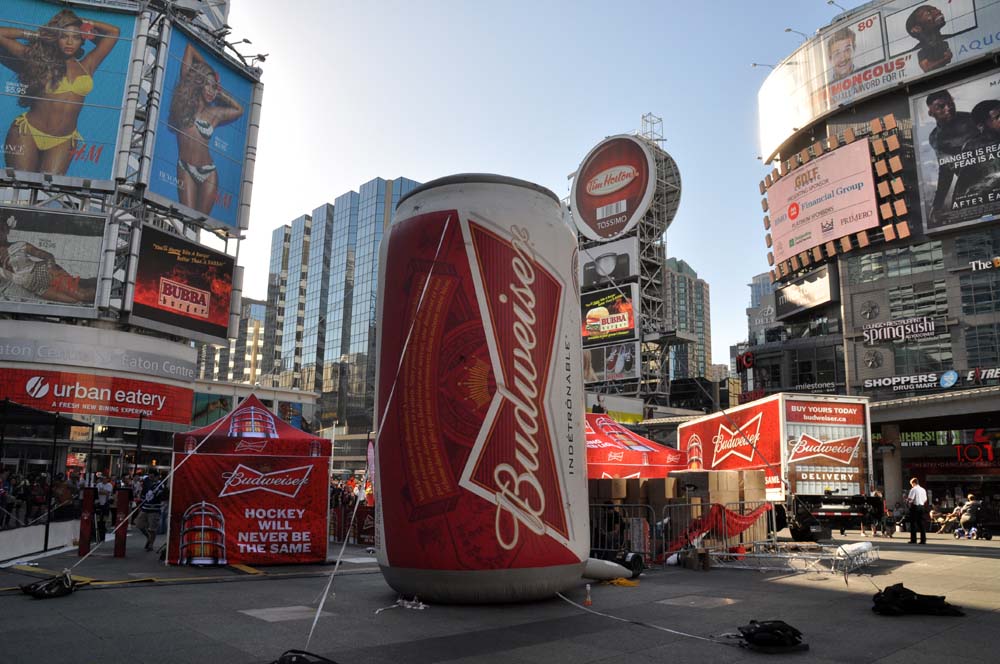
(154, 491)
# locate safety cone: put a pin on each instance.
(586, 600)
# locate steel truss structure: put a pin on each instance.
(653, 384)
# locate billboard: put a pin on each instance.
(826, 199)
(49, 258)
(888, 44)
(609, 315)
(613, 187)
(808, 291)
(207, 408)
(291, 412)
(63, 74)
(612, 262)
(182, 284)
(201, 134)
(614, 362)
(104, 396)
(956, 136)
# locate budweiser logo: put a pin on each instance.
(285, 482)
(514, 465)
(841, 451)
(183, 298)
(251, 445)
(520, 495)
(611, 180)
(616, 456)
(739, 443)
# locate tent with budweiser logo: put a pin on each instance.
(249, 488)
(615, 452)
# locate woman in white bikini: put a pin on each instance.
(54, 78)
(199, 105)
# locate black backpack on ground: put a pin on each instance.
(772, 636)
(897, 600)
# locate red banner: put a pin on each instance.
(87, 394)
(263, 510)
(615, 452)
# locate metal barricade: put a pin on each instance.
(746, 523)
(683, 525)
(617, 528)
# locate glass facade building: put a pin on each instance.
(324, 272)
(688, 300)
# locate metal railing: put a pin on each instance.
(624, 528)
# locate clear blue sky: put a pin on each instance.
(424, 89)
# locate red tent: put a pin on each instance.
(249, 488)
(615, 452)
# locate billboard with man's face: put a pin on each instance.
(956, 136)
(201, 136)
(62, 85)
(892, 43)
(183, 285)
(49, 259)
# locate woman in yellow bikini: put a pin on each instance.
(199, 105)
(55, 77)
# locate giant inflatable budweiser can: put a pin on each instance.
(481, 455)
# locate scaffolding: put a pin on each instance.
(654, 319)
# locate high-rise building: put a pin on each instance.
(322, 285)
(688, 303)
(760, 287)
(240, 361)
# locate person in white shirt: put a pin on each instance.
(105, 490)
(917, 500)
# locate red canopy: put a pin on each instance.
(615, 452)
(249, 488)
(252, 428)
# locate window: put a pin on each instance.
(982, 344)
(980, 292)
(895, 262)
(924, 355)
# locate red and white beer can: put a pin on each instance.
(480, 465)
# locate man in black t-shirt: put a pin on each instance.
(954, 130)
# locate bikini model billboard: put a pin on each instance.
(201, 134)
(62, 83)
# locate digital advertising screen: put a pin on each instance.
(956, 137)
(894, 42)
(201, 135)
(291, 412)
(611, 262)
(63, 71)
(207, 408)
(609, 315)
(182, 284)
(613, 362)
(826, 199)
(49, 258)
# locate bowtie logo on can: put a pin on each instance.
(479, 389)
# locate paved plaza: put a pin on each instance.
(138, 611)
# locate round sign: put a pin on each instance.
(793, 211)
(949, 378)
(613, 187)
